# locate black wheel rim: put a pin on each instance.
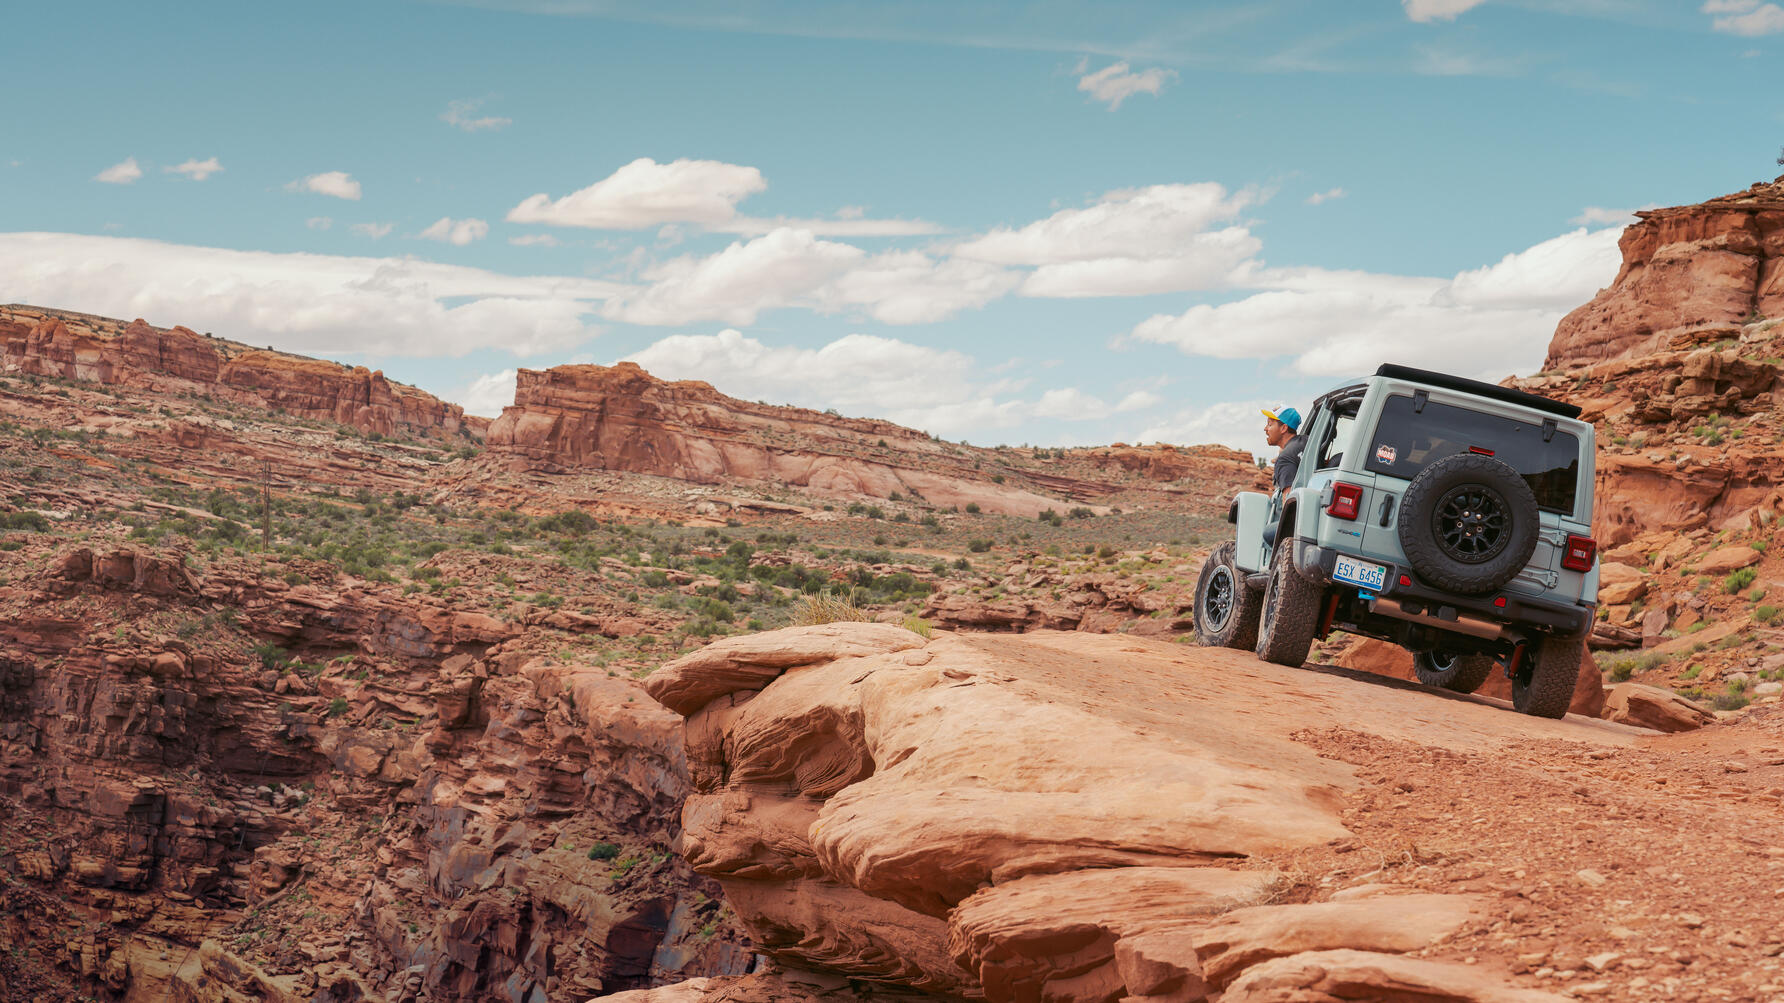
(1441, 661)
(1217, 604)
(1472, 523)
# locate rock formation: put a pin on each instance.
(1059, 816)
(426, 776)
(620, 418)
(1716, 265)
(77, 347)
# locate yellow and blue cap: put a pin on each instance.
(1287, 415)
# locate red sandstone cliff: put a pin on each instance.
(1712, 265)
(621, 418)
(76, 347)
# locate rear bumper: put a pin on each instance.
(1556, 617)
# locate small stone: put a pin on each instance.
(1590, 989)
(1599, 962)
(1690, 920)
(1593, 879)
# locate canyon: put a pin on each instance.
(314, 688)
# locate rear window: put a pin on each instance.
(1405, 443)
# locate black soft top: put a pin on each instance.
(1507, 395)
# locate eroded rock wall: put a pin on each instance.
(1718, 264)
(72, 346)
(405, 798)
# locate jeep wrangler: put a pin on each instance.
(1446, 515)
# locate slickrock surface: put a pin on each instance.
(620, 418)
(1715, 265)
(56, 343)
(1073, 816)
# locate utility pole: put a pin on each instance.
(266, 505)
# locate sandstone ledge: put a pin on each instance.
(1051, 815)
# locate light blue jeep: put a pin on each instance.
(1449, 516)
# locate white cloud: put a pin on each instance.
(1326, 196)
(1236, 424)
(1484, 322)
(1070, 404)
(486, 395)
(319, 222)
(736, 284)
(1116, 83)
(1131, 242)
(121, 173)
(457, 232)
(851, 226)
(1139, 400)
(1438, 10)
(376, 231)
(311, 303)
(534, 240)
(338, 184)
(787, 268)
(934, 389)
(463, 115)
(645, 194)
(910, 287)
(195, 169)
(1745, 17)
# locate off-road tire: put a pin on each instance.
(1458, 673)
(1468, 523)
(1290, 611)
(1229, 622)
(1545, 682)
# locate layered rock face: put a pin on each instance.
(72, 346)
(621, 418)
(1054, 816)
(1714, 265)
(408, 798)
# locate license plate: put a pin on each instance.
(1362, 574)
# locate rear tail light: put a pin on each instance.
(1580, 552)
(1346, 500)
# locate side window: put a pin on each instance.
(1336, 441)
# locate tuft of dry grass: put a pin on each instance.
(918, 626)
(809, 611)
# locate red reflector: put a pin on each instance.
(1499, 602)
(1406, 580)
(1482, 452)
(1580, 552)
(1346, 499)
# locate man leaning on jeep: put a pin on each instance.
(1280, 430)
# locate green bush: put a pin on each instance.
(1738, 580)
(603, 851)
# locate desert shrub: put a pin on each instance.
(972, 508)
(1619, 668)
(603, 851)
(31, 521)
(919, 626)
(979, 546)
(1738, 580)
(815, 609)
(338, 706)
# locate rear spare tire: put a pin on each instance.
(1290, 610)
(1226, 610)
(1468, 523)
(1460, 673)
(1544, 684)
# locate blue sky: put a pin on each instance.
(1047, 223)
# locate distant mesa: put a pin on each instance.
(57, 343)
(621, 418)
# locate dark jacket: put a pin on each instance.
(1288, 462)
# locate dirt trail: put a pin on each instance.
(1648, 868)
